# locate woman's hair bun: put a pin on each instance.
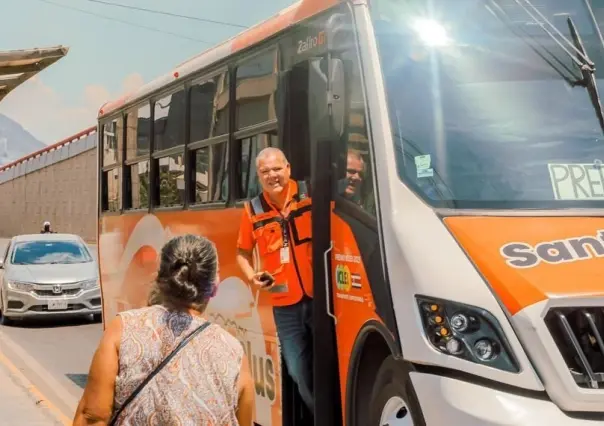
(187, 271)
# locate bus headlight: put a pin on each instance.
(466, 332)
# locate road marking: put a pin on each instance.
(69, 402)
(29, 386)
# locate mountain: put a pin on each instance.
(15, 141)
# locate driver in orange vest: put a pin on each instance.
(278, 224)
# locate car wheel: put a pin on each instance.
(393, 401)
(4, 320)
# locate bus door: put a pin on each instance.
(296, 103)
(306, 141)
(347, 254)
(314, 114)
(327, 117)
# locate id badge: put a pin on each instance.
(284, 255)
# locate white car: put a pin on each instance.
(48, 274)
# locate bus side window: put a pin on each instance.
(355, 178)
(137, 166)
(256, 119)
(111, 163)
(208, 143)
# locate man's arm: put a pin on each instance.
(245, 247)
(245, 262)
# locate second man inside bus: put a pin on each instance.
(278, 223)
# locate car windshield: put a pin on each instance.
(493, 103)
(50, 252)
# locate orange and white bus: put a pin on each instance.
(458, 261)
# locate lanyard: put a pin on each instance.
(284, 231)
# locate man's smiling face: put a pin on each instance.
(274, 173)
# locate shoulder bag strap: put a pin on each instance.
(157, 369)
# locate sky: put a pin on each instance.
(107, 57)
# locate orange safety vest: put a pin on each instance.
(274, 233)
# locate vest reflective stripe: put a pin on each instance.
(256, 206)
(259, 205)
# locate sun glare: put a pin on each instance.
(431, 32)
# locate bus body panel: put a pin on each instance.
(129, 248)
(353, 300)
(527, 260)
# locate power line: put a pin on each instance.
(160, 12)
(110, 18)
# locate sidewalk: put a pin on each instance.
(18, 406)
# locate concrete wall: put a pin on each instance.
(58, 185)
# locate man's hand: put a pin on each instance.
(244, 260)
(257, 281)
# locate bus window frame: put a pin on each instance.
(271, 45)
(266, 47)
(204, 78)
(138, 159)
(153, 101)
(157, 155)
(119, 115)
(192, 146)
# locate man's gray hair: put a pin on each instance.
(269, 151)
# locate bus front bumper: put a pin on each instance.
(452, 402)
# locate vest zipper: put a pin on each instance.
(294, 259)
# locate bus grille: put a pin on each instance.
(579, 335)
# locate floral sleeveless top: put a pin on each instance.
(199, 384)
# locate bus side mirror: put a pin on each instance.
(327, 98)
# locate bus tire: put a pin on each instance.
(393, 399)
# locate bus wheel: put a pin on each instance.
(393, 401)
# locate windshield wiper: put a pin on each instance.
(588, 71)
(580, 56)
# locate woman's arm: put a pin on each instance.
(96, 405)
(247, 395)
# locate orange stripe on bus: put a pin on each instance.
(529, 259)
(306, 9)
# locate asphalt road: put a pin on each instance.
(20, 406)
(53, 354)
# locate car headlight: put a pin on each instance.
(90, 284)
(17, 285)
(466, 332)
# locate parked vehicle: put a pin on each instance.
(48, 274)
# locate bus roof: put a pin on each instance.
(288, 17)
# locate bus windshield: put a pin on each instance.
(494, 104)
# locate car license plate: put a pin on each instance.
(57, 305)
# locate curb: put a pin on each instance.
(57, 398)
(33, 392)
